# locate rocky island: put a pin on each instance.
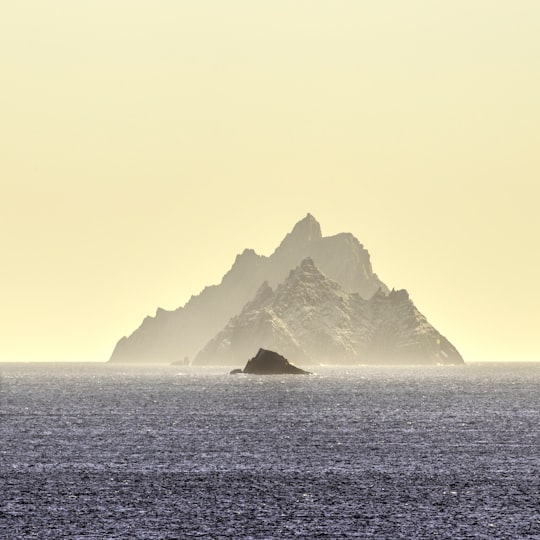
(270, 363)
(315, 298)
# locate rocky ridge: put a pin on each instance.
(312, 318)
(171, 336)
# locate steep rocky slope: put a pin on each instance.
(311, 318)
(173, 335)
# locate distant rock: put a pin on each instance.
(270, 363)
(235, 372)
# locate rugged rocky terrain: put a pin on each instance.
(171, 336)
(311, 318)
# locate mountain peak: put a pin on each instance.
(307, 229)
(306, 284)
(304, 233)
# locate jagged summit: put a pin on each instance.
(341, 260)
(307, 230)
(306, 284)
(245, 264)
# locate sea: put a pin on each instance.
(104, 451)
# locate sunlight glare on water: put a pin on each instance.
(112, 451)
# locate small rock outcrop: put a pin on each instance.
(270, 363)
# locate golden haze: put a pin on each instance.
(144, 144)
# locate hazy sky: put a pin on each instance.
(145, 143)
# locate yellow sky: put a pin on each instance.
(143, 144)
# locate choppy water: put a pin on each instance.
(101, 451)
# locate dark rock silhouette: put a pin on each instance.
(270, 363)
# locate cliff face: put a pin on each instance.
(402, 333)
(313, 319)
(172, 335)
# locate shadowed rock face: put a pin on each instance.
(271, 363)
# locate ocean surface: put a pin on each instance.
(107, 451)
